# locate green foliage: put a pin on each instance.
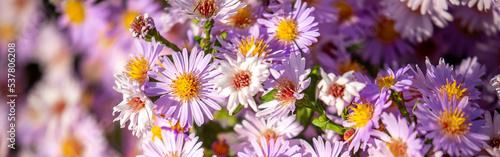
(324, 123)
(268, 97)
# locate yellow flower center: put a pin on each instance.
(386, 81)
(287, 30)
(261, 47)
(177, 127)
(285, 90)
(75, 11)
(156, 130)
(243, 18)
(71, 147)
(268, 134)
(345, 11)
(7, 31)
(361, 115)
(136, 104)
(206, 8)
(384, 30)
(128, 18)
(397, 148)
(453, 89)
(186, 86)
(454, 122)
(137, 68)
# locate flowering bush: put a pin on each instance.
(262, 78)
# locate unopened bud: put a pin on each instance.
(141, 26)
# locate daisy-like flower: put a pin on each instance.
(170, 144)
(471, 70)
(323, 10)
(255, 128)
(493, 146)
(241, 79)
(453, 124)
(388, 80)
(482, 5)
(442, 79)
(141, 26)
(295, 29)
(338, 91)
(206, 10)
(289, 83)
(414, 25)
(186, 93)
(242, 21)
(271, 149)
(363, 118)
(495, 82)
(136, 106)
(84, 19)
(143, 60)
(475, 20)
(323, 148)
(401, 141)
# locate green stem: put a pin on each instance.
(205, 43)
(164, 41)
(397, 98)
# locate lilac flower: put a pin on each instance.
(492, 147)
(289, 83)
(338, 91)
(478, 21)
(143, 60)
(363, 118)
(401, 139)
(323, 11)
(240, 23)
(323, 149)
(387, 81)
(495, 82)
(452, 124)
(482, 5)
(170, 144)
(271, 149)
(295, 29)
(83, 19)
(206, 10)
(186, 93)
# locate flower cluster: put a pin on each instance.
(270, 78)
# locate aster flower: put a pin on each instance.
(442, 79)
(482, 5)
(141, 26)
(136, 106)
(471, 70)
(270, 149)
(363, 118)
(241, 79)
(323, 149)
(186, 93)
(170, 144)
(323, 10)
(386, 81)
(475, 20)
(143, 60)
(253, 128)
(83, 18)
(295, 29)
(206, 10)
(353, 17)
(453, 124)
(401, 139)
(338, 91)
(417, 27)
(289, 83)
(493, 145)
(495, 82)
(242, 21)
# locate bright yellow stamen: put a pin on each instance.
(452, 89)
(361, 116)
(384, 30)
(137, 68)
(177, 127)
(261, 48)
(243, 18)
(345, 11)
(287, 30)
(454, 122)
(386, 81)
(397, 147)
(76, 11)
(7, 31)
(128, 18)
(71, 147)
(186, 86)
(156, 130)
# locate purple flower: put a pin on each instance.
(271, 149)
(186, 93)
(454, 125)
(168, 143)
(387, 81)
(475, 20)
(323, 148)
(295, 29)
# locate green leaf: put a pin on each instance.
(324, 123)
(304, 116)
(268, 97)
(198, 39)
(238, 109)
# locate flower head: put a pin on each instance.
(206, 10)
(184, 87)
(323, 148)
(141, 62)
(338, 91)
(493, 145)
(141, 26)
(275, 148)
(169, 144)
